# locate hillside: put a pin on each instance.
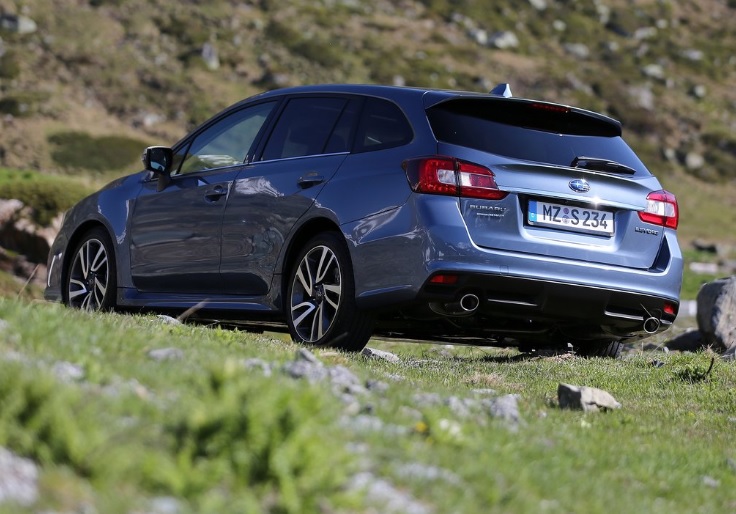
(85, 80)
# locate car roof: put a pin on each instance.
(430, 97)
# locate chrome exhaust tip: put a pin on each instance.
(651, 325)
(469, 302)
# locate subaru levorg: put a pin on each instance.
(343, 211)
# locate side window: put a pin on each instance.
(382, 125)
(227, 142)
(303, 128)
(342, 137)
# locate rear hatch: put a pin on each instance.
(575, 187)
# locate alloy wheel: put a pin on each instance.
(316, 293)
(89, 276)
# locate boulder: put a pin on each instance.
(588, 399)
(20, 233)
(717, 313)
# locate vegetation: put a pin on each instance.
(75, 150)
(47, 195)
(213, 434)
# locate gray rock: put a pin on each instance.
(717, 313)
(730, 354)
(264, 366)
(588, 399)
(506, 407)
(694, 161)
(642, 96)
(699, 91)
(18, 479)
(578, 50)
(168, 320)
(693, 54)
(427, 399)
(164, 505)
(67, 372)
(539, 5)
(417, 471)
(303, 354)
(645, 33)
(309, 371)
(503, 40)
(653, 71)
(381, 492)
(4, 325)
(380, 355)
(345, 380)
(17, 24)
(483, 392)
(210, 56)
(480, 36)
(165, 354)
(377, 386)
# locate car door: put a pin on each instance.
(309, 142)
(176, 232)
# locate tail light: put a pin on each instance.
(661, 209)
(452, 177)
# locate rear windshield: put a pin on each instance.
(528, 131)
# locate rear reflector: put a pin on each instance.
(670, 309)
(661, 209)
(453, 177)
(444, 279)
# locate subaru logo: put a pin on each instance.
(579, 185)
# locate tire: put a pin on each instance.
(321, 309)
(91, 281)
(606, 348)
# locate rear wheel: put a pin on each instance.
(605, 348)
(321, 295)
(90, 279)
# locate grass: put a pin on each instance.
(219, 436)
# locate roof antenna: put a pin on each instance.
(503, 90)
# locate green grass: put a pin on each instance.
(221, 437)
(79, 150)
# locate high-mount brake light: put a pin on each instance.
(661, 209)
(452, 177)
(550, 107)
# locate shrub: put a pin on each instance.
(81, 150)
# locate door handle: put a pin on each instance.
(215, 193)
(310, 179)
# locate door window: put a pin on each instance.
(304, 128)
(228, 141)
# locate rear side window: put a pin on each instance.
(382, 126)
(528, 131)
(303, 128)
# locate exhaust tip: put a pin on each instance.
(651, 325)
(469, 302)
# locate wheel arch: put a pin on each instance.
(72, 243)
(304, 233)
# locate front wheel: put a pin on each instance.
(321, 295)
(90, 280)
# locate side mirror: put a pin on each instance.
(158, 159)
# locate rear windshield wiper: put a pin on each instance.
(597, 164)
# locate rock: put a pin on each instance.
(705, 246)
(480, 36)
(305, 355)
(539, 5)
(503, 40)
(717, 313)
(164, 505)
(165, 354)
(506, 407)
(689, 341)
(210, 57)
(417, 471)
(19, 233)
(168, 320)
(17, 24)
(653, 71)
(642, 96)
(381, 492)
(699, 91)
(18, 479)
(559, 25)
(694, 161)
(588, 399)
(380, 355)
(645, 33)
(264, 366)
(377, 386)
(578, 50)
(67, 372)
(730, 354)
(693, 54)
(704, 267)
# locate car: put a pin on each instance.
(346, 211)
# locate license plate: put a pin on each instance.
(565, 217)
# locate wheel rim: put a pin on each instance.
(315, 294)
(89, 276)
